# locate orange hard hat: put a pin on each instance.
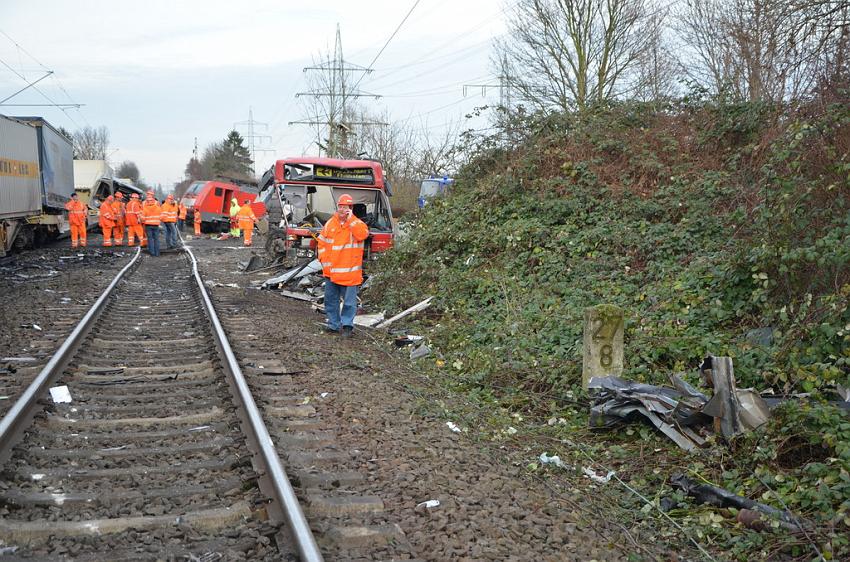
(345, 199)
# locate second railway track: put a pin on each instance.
(150, 460)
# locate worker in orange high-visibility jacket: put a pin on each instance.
(151, 217)
(77, 214)
(169, 221)
(120, 222)
(181, 215)
(246, 219)
(106, 219)
(341, 244)
(197, 220)
(133, 218)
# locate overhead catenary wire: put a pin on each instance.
(73, 103)
(374, 60)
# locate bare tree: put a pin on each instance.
(91, 143)
(770, 50)
(656, 69)
(569, 54)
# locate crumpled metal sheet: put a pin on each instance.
(671, 410)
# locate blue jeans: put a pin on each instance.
(333, 293)
(180, 224)
(170, 235)
(152, 232)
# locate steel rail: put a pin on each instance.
(18, 415)
(282, 489)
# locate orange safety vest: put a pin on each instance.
(76, 212)
(181, 212)
(106, 214)
(246, 217)
(133, 212)
(197, 215)
(341, 250)
(151, 213)
(118, 209)
(169, 212)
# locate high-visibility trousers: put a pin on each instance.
(107, 235)
(197, 229)
(118, 233)
(78, 235)
(135, 231)
(247, 227)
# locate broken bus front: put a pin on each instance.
(306, 192)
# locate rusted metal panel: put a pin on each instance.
(20, 185)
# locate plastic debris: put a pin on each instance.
(419, 352)
(402, 341)
(590, 473)
(368, 320)
(430, 504)
(37, 327)
(554, 459)
(60, 394)
(453, 427)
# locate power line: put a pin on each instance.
(252, 136)
(58, 82)
(53, 103)
(390, 39)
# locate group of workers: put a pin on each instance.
(340, 248)
(242, 219)
(142, 219)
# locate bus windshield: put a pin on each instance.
(314, 205)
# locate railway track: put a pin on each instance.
(161, 453)
(52, 322)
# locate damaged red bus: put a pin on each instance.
(303, 196)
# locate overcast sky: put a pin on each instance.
(159, 73)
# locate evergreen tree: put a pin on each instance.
(233, 158)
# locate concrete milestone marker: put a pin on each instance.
(603, 342)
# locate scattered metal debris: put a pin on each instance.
(420, 352)
(712, 495)
(676, 410)
(669, 409)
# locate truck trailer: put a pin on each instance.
(36, 180)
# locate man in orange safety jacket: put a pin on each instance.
(118, 209)
(341, 244)
(197, 220)
(77, 214)
(245, 219)
(133, 218)
(169, 221)
(181, 215)
(106, 219)
(151, 217)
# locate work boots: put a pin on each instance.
(347, 331)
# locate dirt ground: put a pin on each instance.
(392, 419)
(490, 509)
